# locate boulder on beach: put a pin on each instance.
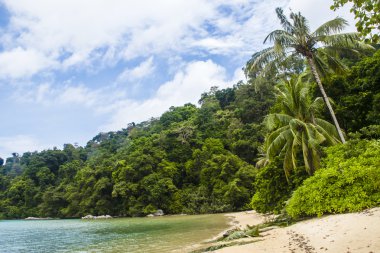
(159, 212)
(90, 217)
(37, 218)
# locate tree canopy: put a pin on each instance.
(201, 158)
(319, 49)
(367, 13)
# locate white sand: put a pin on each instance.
(346, 233)
(242, 219)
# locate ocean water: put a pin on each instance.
(135, 235)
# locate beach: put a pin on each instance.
(348, 233)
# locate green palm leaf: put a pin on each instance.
(335, 25)
(296, 129)
(318, 48)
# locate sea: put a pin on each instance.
(134, 235)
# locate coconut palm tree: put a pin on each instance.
(296, 129)
(296, 40)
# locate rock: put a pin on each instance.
(159, 212)
(97, 217)
(150, 215)
(37, 218)
(229, 232)
(89, 216)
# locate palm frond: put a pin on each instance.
(261, 59)
(295, 148)
(315, 160)
(344, 40)
(334, 64)
(288, 163)
(277, 145)
(273, 135)
(332, 26)
(301, 26)
(296, 129)
(317, 105)
(284, 20)
(305, 153)
(330, 139)
(281, 36)
(315, 138)
(327, 128)
(321, 65)
(262, 162)
(276, 120)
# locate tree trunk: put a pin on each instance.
(325, 98)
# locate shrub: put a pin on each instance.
(273, 189)
(349, 181)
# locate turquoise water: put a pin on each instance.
(160, 234)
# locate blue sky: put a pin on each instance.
(70, 69)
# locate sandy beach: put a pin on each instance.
(347, 233)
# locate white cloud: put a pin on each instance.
(47, 94)
(78, 95)
(72, 39)
(21, 63)
(318, 12)
(73, 31)
(85, 32)
(37, 94)
(186, 87)
(64, 33)
(19, 144)
(219, 45)
(143, 70)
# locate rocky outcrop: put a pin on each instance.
(91, 217)
(159, 212)
(37, 218)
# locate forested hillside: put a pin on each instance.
(202, 158)
(192, 160)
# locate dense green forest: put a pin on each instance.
(254, 145)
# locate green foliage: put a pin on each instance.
(367, 15)
(296, 40)
(272, 189)
(192, 160)
(357, 94)
(236, 235)
(195, 159)
(296, 130)
(349, 182)
(318, 48)
(177, 114)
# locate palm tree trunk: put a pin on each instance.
(325, 98)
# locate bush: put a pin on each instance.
(349, 181)
(273, 189)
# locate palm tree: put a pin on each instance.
(296, 129)
(296, 40)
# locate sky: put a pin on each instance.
(70, 69)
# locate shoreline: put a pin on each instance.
(348, 233)
(240, 220)
(236, 220)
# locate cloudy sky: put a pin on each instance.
(72, 68)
